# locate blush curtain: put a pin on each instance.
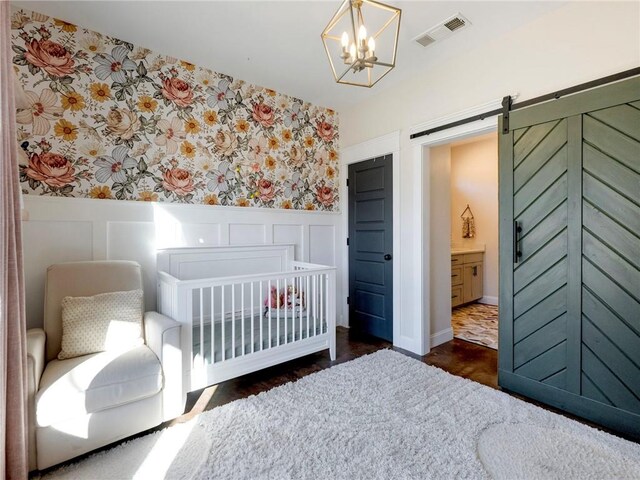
(13, 357)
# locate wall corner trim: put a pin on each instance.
(441, 337)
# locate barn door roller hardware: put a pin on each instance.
(508, 106)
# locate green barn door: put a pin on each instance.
(570, 254)
(611, 256)
(540, 266)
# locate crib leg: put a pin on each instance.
(332, 348)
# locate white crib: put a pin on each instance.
(245, 308)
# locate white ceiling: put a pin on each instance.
(277, 44)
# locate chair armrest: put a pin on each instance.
(35, 355)
(35, 366)
(163, 337)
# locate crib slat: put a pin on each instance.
(286, 292)
(213, 326)
(270, 300)
(253, 345)
(261, 319)
(278, 307)
(309, 300)
(222, 322)
(301, 306)
(315, 302)
(242, 314)
(233, 321)
(201, 293)
(322, 297)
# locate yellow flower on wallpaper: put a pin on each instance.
(273, 143)
(72, 101)
(242, 202)
(191, 126)
(210, 117)
(242, 126)
(147, 104)
(103, 192)
(65, 26)
(65, 129)
(147, 196)
(188, 66)
(309, 206)
(287, 136)
(331, 173)
(211, 199)
(286, 204)
(309, 141)
(187, 149)
(333, 155)
(100, 92)
(270, 162)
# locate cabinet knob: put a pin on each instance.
(388, 257)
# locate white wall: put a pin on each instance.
(438, 173)
(575, 43)
(474, 181)
(72, 229)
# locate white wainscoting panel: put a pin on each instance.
(292, 234)
(246, 234)
(72, 229)
(322, 244)
(47, 242)
(135, 241)
(201, 234)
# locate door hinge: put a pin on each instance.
(347, 182)
(348, 300)
(506, 108)
(347, 240)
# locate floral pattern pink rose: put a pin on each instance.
(50, 56)
(263, 114)
(178, 180)
(110, 120)
(178, 91)
(51, 168)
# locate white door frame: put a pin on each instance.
(419, 157)
(376, 147)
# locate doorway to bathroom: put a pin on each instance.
(464, 215)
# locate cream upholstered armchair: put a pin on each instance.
(82, 403)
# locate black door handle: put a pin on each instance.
(388, 257)
(517, 230)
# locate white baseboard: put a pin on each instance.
(441, 337)
(489, 300)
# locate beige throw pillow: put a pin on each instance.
(104, 322)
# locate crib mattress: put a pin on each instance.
(294, 332)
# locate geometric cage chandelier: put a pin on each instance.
(361, 41)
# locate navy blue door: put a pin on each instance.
(371, 247)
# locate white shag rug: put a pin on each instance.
(380, 416)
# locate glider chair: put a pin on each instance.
(100, 370)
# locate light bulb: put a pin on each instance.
(345, 40)
(372, 45)
(352, 51)
(362, 34)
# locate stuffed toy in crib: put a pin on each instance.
(288, 298)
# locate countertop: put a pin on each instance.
(462, 250)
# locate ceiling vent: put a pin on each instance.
(443, 30)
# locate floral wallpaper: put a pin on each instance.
(111, 120)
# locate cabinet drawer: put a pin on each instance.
(473, 257)
(456, 276)
(457, 260)
(456, 296)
